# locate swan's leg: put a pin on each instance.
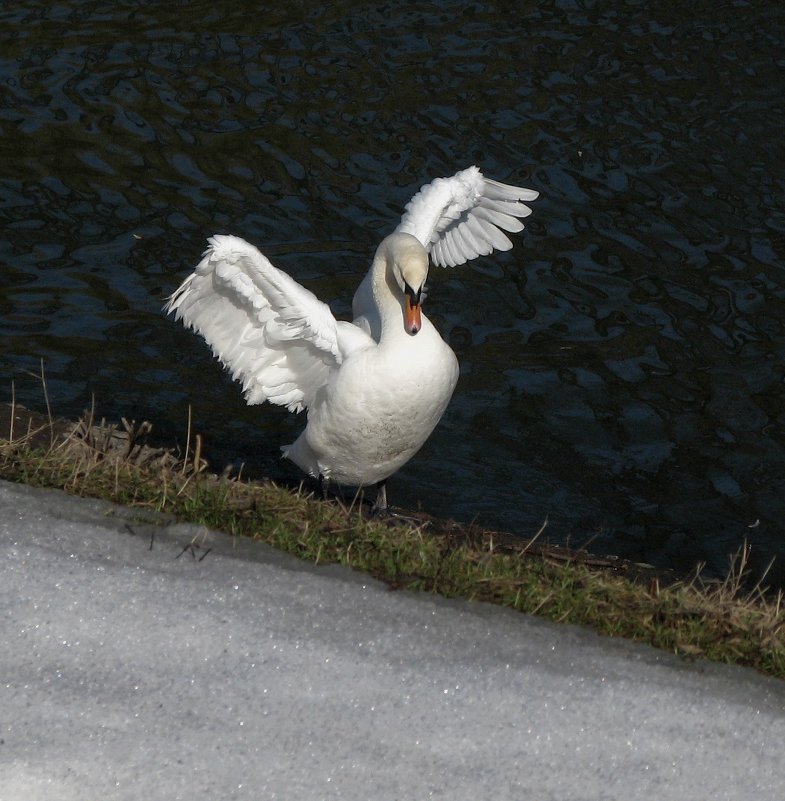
(324, 485)
(380, 507)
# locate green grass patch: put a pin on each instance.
(723, 621)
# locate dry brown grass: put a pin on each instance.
(719, 620)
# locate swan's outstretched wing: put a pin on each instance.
(460, 218)
(274, 335)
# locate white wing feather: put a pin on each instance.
(460, 218)
(275, 336)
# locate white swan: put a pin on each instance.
(374, 388)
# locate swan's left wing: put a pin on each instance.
(275, 336)
(463, 217)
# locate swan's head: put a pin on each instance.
(407, 265)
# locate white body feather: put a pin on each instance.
(373, 390)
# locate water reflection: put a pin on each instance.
(622, 367)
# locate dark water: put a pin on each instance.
(622, 367)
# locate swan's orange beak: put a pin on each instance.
(413, 319)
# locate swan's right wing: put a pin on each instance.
(464, 216)
(275, 336)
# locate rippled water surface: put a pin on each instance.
(622, 367)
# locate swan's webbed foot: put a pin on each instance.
(381, 511)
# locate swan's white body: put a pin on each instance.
(374, 388)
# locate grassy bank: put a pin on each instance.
(721, 621)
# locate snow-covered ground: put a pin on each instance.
(128, 673)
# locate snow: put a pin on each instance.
(131, 673)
